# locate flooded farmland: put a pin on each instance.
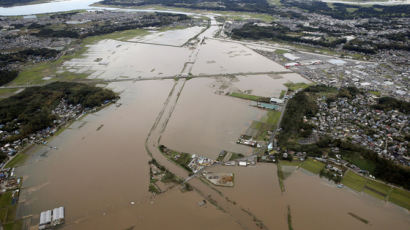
(87, 177)
(206, 123)
(173, 37)
(317, 204)
(111, 59)
(99, 168)
(220, 57)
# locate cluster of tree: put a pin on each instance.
(382, 168)
(32, 108)
(371, 47)
(261, 6)
(24, 55)
(344, 11)
(35, 25)
(156, 19)
(47, 32)
(330, 175)
(7, 3)
(303, 104)
(278, 32)
(7, 76)
(390, 103)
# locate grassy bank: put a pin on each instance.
(400, 197)
(313, 165)
(296, 86)
(377, 189)
(245, 96)
(354, 181)
(8, 210)
(17, 160)
(268, 122)
(6, 92)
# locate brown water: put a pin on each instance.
(96, 174)
(266, 85)
(206, 123)
(121, 60)
(257, 190)
(316, 204)
(172, 37)
(220, 57)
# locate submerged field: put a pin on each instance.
(99, 169)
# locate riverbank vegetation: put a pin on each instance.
(245, 96)
(180, 158)
(8, 210)
(158, 173)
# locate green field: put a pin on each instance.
(267, 123)
(313, 166)
(400, 197)
(360, 162)
(8, 211)
(354, 181)
(17, 160)
(377, 189)
(245, 96)
(7, 92)
(296, 86)
(273, 117)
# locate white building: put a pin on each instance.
(276, 101)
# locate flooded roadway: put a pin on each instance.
(96, 174)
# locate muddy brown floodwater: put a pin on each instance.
(206, 123)
(99, 170)
(317, 204)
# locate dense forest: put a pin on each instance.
(293, 128)
(278, 32)
(157, 19)
(7, 76)
(390, 103)
(31, 110)
(24, 55)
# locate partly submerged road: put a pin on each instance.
(244, 218)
